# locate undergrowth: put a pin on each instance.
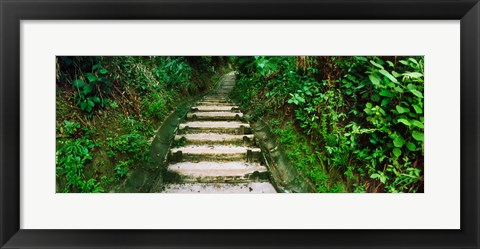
(108, 109)
(350, 124)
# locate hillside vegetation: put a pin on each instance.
(108, 109)
(350, 124)
(347, 124)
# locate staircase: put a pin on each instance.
(214, 149)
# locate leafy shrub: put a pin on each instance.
(127, 97)
(71, 158)
(92, 88)
(156, 106)
(121, 169)
(135, 145)
(176, 73)
(362, 115)
(70, 128)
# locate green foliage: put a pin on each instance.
(362, 115)
(155, 77)
(157, 105)
(175, 72)
(135, 145)
(394, 116)
(169, 73)
(303, 156)
(125, 98)
(122, 168)
(71, 127)
(134, 124)
(114, 105)
(72, 156)
(337, 188)
(91, 88)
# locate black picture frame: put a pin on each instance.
(13, 11)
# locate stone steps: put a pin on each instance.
(197, 153)
(221, 99)
(220, 92)
(215, 149)
(215, 108)
(215, 138)
(221, 188)
(220, 172)
(212, 103)
(230, 127)
(214, 116)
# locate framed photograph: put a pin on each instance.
(188, 124)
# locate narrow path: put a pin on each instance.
(215, 149)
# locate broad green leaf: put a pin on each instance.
(91, 77)
(90, 103)
(380, 177)
(417, 135)
(417, 124)
(397, 152)
(398, 141)
(385, 102)
(302, 100)
(416, 93)
(401, 109)
(95, 99)
(404, 121)
(417, 109)
(413, 74)
(78, 83)
(390, 63)
(382, 111)
(388, 75)
(87, 89)
(386, 93)
(83, 105)
(103, 71)
(411, 146)
(369, 105)
(377, 65)
(375, 81)
(399, 89)
(413, 60)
